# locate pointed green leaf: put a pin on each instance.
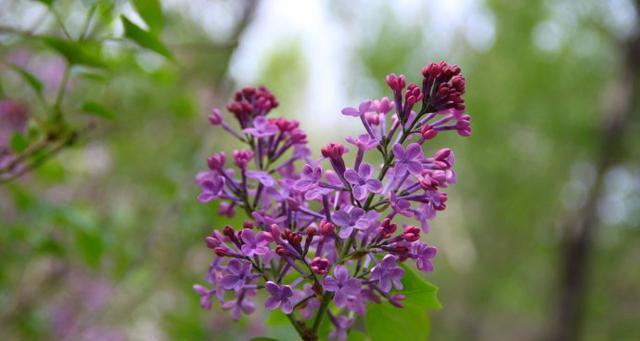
(34, 82)
(151, 12)
(145, 39)
(97, 109)
(76, 53)
(418, 291)
(387, 323)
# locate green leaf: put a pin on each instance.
(45, 2)
(33, 82)
(145, 39)
(151, 12)
(387, 323)
(76, 53)
(97, 109)
(18, 143)
(262, 338)
(90, 246)
(418, 291)
(356, 335)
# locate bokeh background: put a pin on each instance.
(541, 239)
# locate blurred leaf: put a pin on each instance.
(262, 338)
(97, 109)
(418, 291)
(34, 82)
(356, 335)
(151, 12)
(45, 2)
(145, 39)
(90, 246)
(76, 53)
(386, 323)
(95, 76)
(51, 246)
(18, 143)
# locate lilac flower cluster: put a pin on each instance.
(321, 232)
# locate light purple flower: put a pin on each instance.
(280, 297)
(239, 273)
(400, 206)
(362, 109)
(205, 295)
(262, 128)
(408, 159)
(356, 218)
(254, 245)
(364, 142)
(383, 105)
(241, 305)
(342, 325)
(263, 177)
(361, 181)
(211, 184)
(309, 178)
(423, 254)
(342, 284)
(387, 272)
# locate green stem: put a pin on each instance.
(324, 305)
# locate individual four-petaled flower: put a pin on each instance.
(262, 128)
(408, 160)
(387, 272)
(361, 182)
(254, 245)
(354, 219)
(211, 185)
(363, 108)
(281, 296)
(239, 273)
(343, 285)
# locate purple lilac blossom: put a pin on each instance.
(323, 232)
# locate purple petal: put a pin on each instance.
(248, 236)
(330, 284)
(413, 151)
(414, 167)
(374, 186)
(340, 298)
(351, 112)
(345, 232)
(398, 151)
(205, 197)
(365, 170)
(341, 273)
(231, 282)
(234, 267)
(286, 307)
(359, 192)
(271, 303)
(272, 288)
(364, 106)
(341, 218)
(200, 290)
(351, 176)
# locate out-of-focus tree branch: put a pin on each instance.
(577, 245)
